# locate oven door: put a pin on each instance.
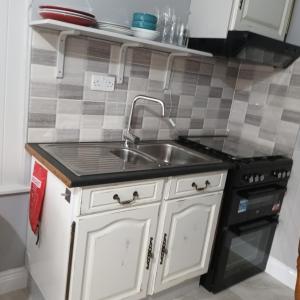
(254, 203)
(244, 252)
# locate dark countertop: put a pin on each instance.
(70, 179)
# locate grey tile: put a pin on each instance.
(43, 57)
(295, 80)
(67, 135)
(291, 116)
(138, 84)
(97, 65)
(278, 90)
(117, 96)
(114, 109)
(112, 134)
(141, 56)
(197, 123)
(253, 119)
(206, 68)
(93, 108)
(99, 48)
(215, 92)
(204, 80)
(42, 105)
(192, 66)
(41, 120)
(69, 107)
(242, 95)
(42, 89)
(139, 71)
(216, 113)
(68, 91)
(232, 72)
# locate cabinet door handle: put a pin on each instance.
(149, 253)
(200, 189)
(164, 250)
(241, 4)
(135, 196)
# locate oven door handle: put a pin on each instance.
(251, 195)
(242, 230)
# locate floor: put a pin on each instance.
(261, 287)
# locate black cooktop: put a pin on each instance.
(232, 147)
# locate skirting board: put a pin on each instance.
(12, 280)
(281, 272)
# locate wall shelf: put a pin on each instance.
(68, 29)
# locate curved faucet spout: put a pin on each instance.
(128, 136)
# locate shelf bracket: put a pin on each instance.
(61, 47)
(170, 62)
(122, 58)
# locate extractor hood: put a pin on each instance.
(250, 48)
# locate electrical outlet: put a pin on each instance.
(103, 83)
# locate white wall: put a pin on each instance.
(119, 11)
(13, 226)
(14, 72)
(285, 245)
(14, 167)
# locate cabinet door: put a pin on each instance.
(187, 238)
(112, 255)
(209, 18)
(266, 17)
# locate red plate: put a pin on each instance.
(64, 17)
(48, 10)
(67, 9)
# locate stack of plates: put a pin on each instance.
(113, 27)
(68, 15)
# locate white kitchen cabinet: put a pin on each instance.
(209, 18)
(113, 253)
(186, 239)
(112, 250)
(266, 17)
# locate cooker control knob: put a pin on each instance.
(262, 177)
(283, 174)
(256, 178)
(288, 174)
(279, 175)
(251, 179)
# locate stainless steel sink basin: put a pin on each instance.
(100, 158)
(131, 156)
(171, 154)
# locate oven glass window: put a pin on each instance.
(248, 250)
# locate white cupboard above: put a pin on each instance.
(213, 18)
(210, 18)
(266, 17)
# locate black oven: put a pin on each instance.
(244, 252)
(253, 196)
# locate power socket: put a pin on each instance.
(102, 83)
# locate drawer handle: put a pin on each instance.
(200, 189)
(135, 197)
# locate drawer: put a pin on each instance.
(117, 196)
(197, 184)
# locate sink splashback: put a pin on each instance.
(68, 110)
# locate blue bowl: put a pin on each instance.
(144, 17)
(144, 25)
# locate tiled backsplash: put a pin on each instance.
(199, 100)
(265, 106)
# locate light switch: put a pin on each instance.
(102, 83)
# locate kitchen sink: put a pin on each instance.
(131, 156)
(100, 158)
(170, 154)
